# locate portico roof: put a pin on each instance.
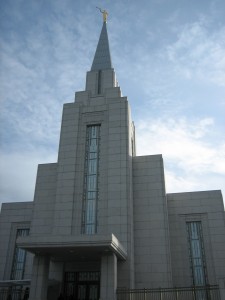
(73, 247)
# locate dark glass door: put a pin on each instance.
(93, 292)
(82, 292)
(88, 291)
(82, 286)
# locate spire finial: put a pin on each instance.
(104, 14)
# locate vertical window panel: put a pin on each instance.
(19, 258)
(92, 166)
(90, 193)
(196, 252)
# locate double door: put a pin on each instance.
(82, 286)
(88, 291)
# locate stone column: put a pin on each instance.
(108, 284)
(39, 279)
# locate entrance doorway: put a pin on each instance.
(82, 286)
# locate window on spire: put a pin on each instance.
(99, 82)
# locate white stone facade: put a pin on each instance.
(141, 235)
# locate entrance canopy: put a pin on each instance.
(80, 247)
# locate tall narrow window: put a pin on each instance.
(99, 82)
(90, 195)
(197, 253)
(19, 257)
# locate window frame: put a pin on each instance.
(91, 177)
(11, 247)
(19, 257)
(201, 249)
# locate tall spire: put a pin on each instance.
(102, 58)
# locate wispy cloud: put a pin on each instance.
(186, 150)
(170, 69)
(199, 53)
(20, 168)
(185, 71)
(39, 72)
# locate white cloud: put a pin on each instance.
(20, 168)
(191, 160)
(176, 183)
(43, 68)
(184, 72)
(199, 53)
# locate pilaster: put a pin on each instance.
(108, 277)
(39, 280)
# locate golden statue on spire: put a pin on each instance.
(104, 14)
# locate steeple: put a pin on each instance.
(102, 76)
(102, 58)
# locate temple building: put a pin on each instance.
(101, 225)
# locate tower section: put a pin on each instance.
(83, 204)
(95, 154)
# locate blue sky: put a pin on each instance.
(169, 60)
